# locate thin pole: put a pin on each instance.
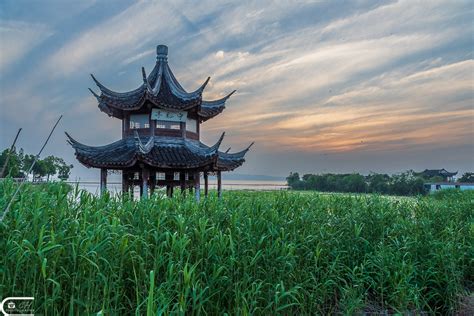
(9, 153)
(29, 171)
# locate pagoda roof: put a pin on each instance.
(437, 172)
(160, 88)
(159, 152)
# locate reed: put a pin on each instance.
(257, 253)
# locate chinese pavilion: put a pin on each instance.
(160, 143)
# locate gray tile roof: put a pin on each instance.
(158, 152)
(162, 89)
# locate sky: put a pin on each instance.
(322, 86)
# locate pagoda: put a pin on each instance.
(160, 144)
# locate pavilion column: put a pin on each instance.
(206, 183)
(152, 182)
(125, 183)
(103, 180)
(144, 186)
(182, 182)
(197, 186)
(169, 183)
(219, 185)
(191, 176)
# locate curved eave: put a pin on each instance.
(230, 161)
(210, 109)
(155, 151)
(161, 88)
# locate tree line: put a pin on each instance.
(19, 163)
(406, 183)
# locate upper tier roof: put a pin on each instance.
(159, 152)
(162, 89)
(437, 172)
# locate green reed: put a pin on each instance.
(252, 253)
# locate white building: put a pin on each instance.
(433, 187)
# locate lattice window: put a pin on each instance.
(168, 125)
(176, 176)
(160, 176)
(139, 121)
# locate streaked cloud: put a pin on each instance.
(360, 79)
(17, 39)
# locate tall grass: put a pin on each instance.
(251, 253)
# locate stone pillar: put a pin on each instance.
(219, 185)
(206, 183)
(197, 186)
(103, 180)
(144, 186)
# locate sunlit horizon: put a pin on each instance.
(381, 86)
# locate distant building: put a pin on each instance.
(436, 186)
(442, 173)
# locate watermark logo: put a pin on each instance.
(17, 306)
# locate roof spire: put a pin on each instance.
(162, 52)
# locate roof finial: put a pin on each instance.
(162, 52)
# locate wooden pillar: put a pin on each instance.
(169, 183)
(144, 185)
(219, 185)
(152, 126)
(191, 178)
(197, 186)
(182, 127)
(152, 182)
(182, 182)
(103, 180)
(125, 183)
(206, 183)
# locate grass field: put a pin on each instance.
(260, 253)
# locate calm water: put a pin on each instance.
(115, 186)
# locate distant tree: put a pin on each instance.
(378, 183)
(406, 183)
(13, 169)
(49, 165)
(354, 183)
(19, 164)
(64, 170)
(467, 177)
(293, 178)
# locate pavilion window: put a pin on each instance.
(160, 175)
(191, 125)
(186, 176)
(136, 176)
(139, 121)
(176, 176)
(168, 125)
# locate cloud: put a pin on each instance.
(317, 77)
(115, 39)
(18, 39)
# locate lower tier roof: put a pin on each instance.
(158, 152)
